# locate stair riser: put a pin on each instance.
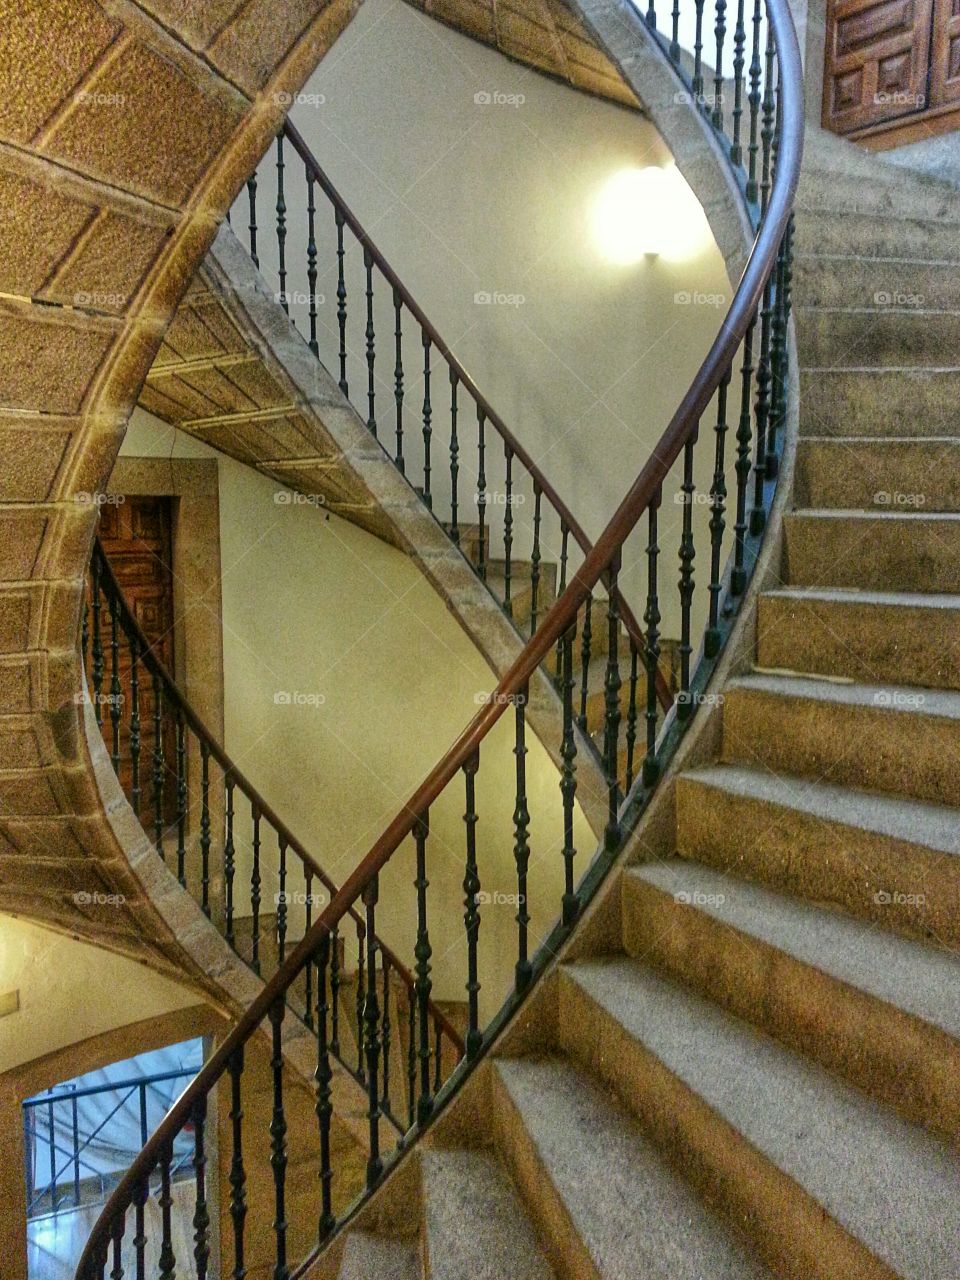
(881, 404)
(881, 555)
(870, 643)
(563, 1246)
(789, 1230)
(903, 1062)
(876, 748)
(846, 281)
(843, 193)
(879, 475)
(876, 338)
(878, 235)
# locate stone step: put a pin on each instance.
(844, 184)
(857, 280)
(887, 475)
(474, 1223)
(877, 234)
(878, 1010)
(372, 1257)
(887, 551)
(891, 862)
(875, 637)
(827, 1182)
(878, 335)
(884, 738)
(609, 1205)
(848, 401)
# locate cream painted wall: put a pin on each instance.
(381, 680)
(465, 198)
(62, 983)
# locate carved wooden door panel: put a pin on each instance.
(945, 55)
(876, 61)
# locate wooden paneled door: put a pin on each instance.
(136, 534)
(891, 69)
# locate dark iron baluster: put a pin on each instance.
(454, 461)
(767, 122)
(135, 728)
(718, 499)
(229, 860)
(632, 715)
(427, 419)
(341, 304)
(116, 1272)
(781, 321)
(281, 227)
(568, 774)
(370, 334)
(720, 31)
(181, 800)
(308, 972)
(385, 1031)
(371, 1024)
(686, 581)
(255, 883)
(358, 1002)
(398, 377)
(481, 496)
(335, 983)
(471, 913)
(96, 647)
(201, 1216)
(85, 635)
(324, 1077)
(586, 637)
(282, 899)
(278, 1146)
(753, 100)
(738, 575)
(423, 984)
(412, 1054)
(651, 653)
(312, 262)
(651, 16)
(159, 766)
(697, 83)
(564, 540)
(675, 32)
(205, 828)
(116, 691)
(521, 841)
(238, 1176)
(75, 1131)
(252, 194)
(611, 708)
(167, 1259)
(437, 1054)
(739, 44)
(535, 559)
(508, 533)
(139, 1229)
(758, 517)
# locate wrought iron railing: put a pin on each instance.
(740, 390)
(452, 446)
(219, 836)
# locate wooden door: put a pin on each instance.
(876, 61)
(945, 54)
(136, 536)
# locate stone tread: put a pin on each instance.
(882, 599)
(886, 1182)
(918, 980)
(855, 513)
(371, 1257)
(842, 692)
(474, 1223)
(637, 1219)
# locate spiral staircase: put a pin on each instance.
(736, 1053)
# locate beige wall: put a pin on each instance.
(381, 680)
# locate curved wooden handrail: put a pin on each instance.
(176, 697)
(567, 518)
(643, 493)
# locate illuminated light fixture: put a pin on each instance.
(647, 212)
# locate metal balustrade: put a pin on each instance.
(729, 422)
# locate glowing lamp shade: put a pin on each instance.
(646, 212)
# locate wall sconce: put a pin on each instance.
(646, 213)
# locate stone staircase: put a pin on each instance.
(747, 1062)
